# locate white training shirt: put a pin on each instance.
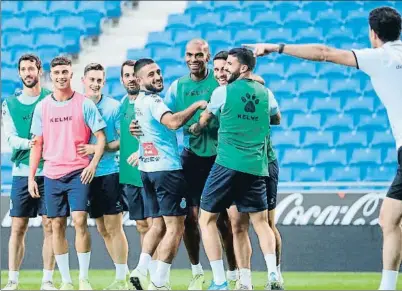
(384, 66)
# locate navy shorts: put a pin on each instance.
(196, 170)
(225, 187)
(21, 202)
(106, 196)
(272, 184)
(166, 193)
(395, 191)
(66, 194)
(135, 197)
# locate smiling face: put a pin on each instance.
(129, 80)
(61, 76)
(220, 74)
(94, 81)
(29, 73)
(150, 78)
(197, 57)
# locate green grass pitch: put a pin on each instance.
(30, 280)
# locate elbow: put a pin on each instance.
(325, 52)
(174, 125)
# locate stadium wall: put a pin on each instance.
(324, 232)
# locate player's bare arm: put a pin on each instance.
(205, 117)
(89, 172)
(312, 52)
(176, 120)
(34, 160)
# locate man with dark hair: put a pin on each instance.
(161, 173)
(107, 202)
(243, 133)
(383, 63)
(61, 122)
(17, 117)
(221, 75)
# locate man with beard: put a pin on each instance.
(107, 202)
(221, 75)
(238, 175)
(61, 122)
(161, 173)
(17, 117)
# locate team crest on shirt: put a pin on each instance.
(183, 203)
(149, 149)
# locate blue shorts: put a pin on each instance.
(66, 194)
(21, 202)
(166, 193)
(135, 197)
(225, 187)
(196, 170)
(106, 196)
(272, 184)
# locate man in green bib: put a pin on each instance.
(17, 114)
(241, 166)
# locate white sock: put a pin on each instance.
(47, 276)
(197, 269)
(143, 263)
(161, 277)
(245, 277)
(152, 268)
(270, 260)
(218, 271)
(64, 267)
(278, 269)
(232, 275)
(388, 280)
(83, 261)
(121, 271)
(13, 276)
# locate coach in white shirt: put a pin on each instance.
(383, 63)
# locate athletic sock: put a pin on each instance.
(143, 263)
(83, 262)
(64, 267)
(270, 260)
(161, 277)
(47, 275)
(152, 268)
(197, 269)
(232, 275)
(13, 276)
(120, 271)
(218, 272)
(388, 280)
(278, 269)
(245, 277)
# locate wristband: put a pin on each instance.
(281, 48)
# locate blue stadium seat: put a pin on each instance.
(318, 139)
(218, 38)
(106, 90)
(236, 20)
(370, 5)
(315, 7)
(313, 174)
(356, 19)
(326, 105)
(339, 122)
(295, 105)
(309, 35)
(297, 157)
(255, 6)
(42, 24)
(113, 74)
(92, 22)
(206, 22)
(327, 19)
(15, 24)
(342, 174)
(62, 8)
(118, 91)
(373, 122)
(299, 19)
(46, 55)
(301, 70)
(346, 6)
(7, 59)
(175, 72)
(226, 6)
(21, 41)
(247, 36)
(198, 7)
(179, 21)
(184, 36)
(286, 173)
(313, 88)
(390, 157)
(366, 157)
(48, 40)
(7, 88)
(380, 174)
(10, 8)
(339, 35)
(360, 105)
(382, 139)
(284, 7)
(113, 9)
(10, 74)
(159, 39)
(285, 139)
(331, 157)
(168, 56)
(267, 20)
(306, 122)
(278, 35)
(282, 89)
(352, 139)
(135, 54)
(65, 24)
(271, 70)
(84, 7)
(332, 71)
(345, 88)
(34, 8)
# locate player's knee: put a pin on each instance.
(238, 227)
(387, 223)
(102, 230)
(47, 227)
(159, 227)
(19, 229)
(58, 227)
(142, 226)
(80, 222)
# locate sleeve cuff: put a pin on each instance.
(357, 63)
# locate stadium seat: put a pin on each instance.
(332, 71)
(346, 7)
(352, 139)
(135, 54)
(10, 74)
(46, 55)
(20, 42)
(255, 6)
(84, 7)
(298, 19)
(331, 157)
(168, 56)
(318, 139)
(13, 25)
(282, 89)
(390, 157)
(10, 8)
(218, 38)
(278, 35)
(183, 37)
(315, 7)
(285, 139)
(380, 174)
(373, 122)
(339, 35)
(113, 74)
(62, 8)
(48, 40)
(198, 7)
(118, 91)
(285, 7)
(92, 22)
(159, 39)
(32, 9)
(326, 105)
(339, 122)
(247, 36)
(309, 35)
(113, 9)
(360, 105)
(301, 70)
(345, 88)
(297, 157)
(226, 6)
(366, 157)
(271, 70)
(42, 24)
(327, 19)
(206, 22)
(180, 22)
(7, 88)
(286, 174)
(7, 59)
(382, 139)
(306, 122)
(66, 24)
(313, 88)
(236, 20)
(174, 72)
(312, 174)
(345, 174)
(267, 20)
(295, 105)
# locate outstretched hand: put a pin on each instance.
(262, 49)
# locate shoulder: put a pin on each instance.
(112, 102)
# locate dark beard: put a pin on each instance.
(233, 77)
(152, 89)
(132, 91)
(35, 81)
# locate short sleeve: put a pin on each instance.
(170, 96)
(116, 116)
(218, 99)
(368, 60)
(92, 116)
(37, 126)
(273, 104)
(158, 107)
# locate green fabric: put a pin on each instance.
(244, 128)
(188, 92)
(128, 145)
(271, 152)
(21, 115)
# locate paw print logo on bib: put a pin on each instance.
(250, 101)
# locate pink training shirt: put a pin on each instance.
(64, 128)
